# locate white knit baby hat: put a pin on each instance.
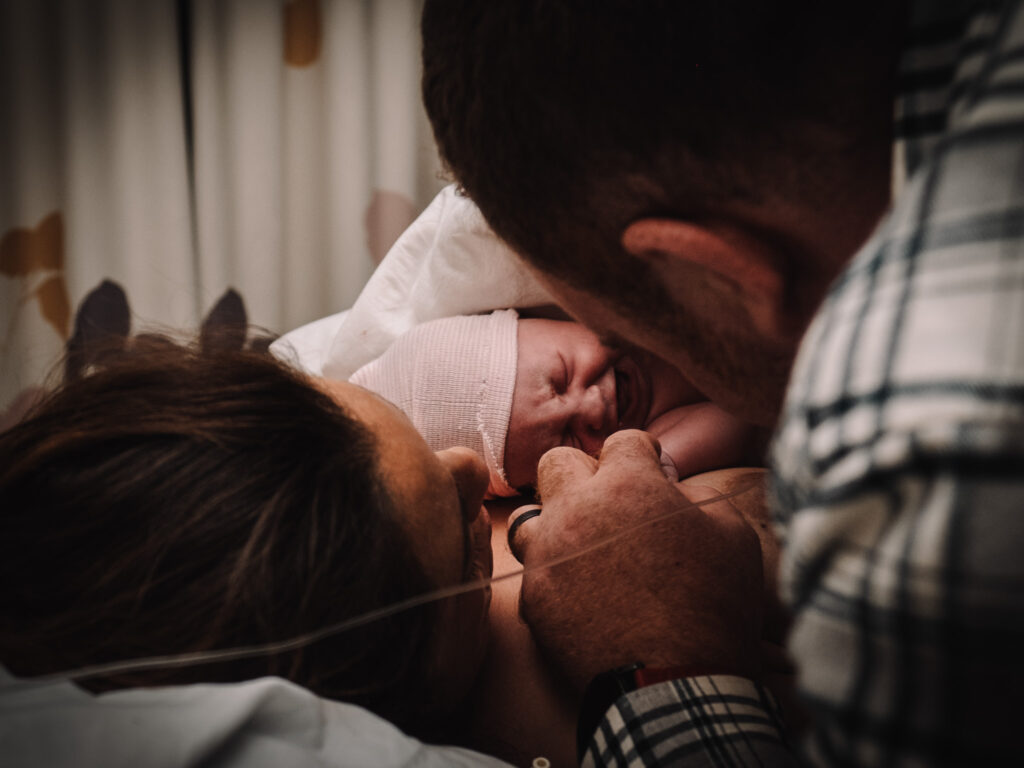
(454, 378)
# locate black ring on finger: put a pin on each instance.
(527, 515)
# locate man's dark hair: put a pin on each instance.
(565, 121)
(176, 501)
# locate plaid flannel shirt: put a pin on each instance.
(899, 460)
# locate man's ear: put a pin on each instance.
(692, 259)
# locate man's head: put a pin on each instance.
(581, 129)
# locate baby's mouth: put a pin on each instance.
(621, 396)
(630, 394)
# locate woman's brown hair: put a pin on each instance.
(176, 501)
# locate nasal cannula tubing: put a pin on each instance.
(300, 641)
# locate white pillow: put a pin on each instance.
(448, 262)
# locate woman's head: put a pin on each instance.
(174, 501)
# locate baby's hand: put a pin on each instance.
(668, 467)
(700, 437)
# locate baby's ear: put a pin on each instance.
(720, 266)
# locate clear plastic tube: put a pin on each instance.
(301, 641)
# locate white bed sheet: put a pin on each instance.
(264, 723)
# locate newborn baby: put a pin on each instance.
(512, 388)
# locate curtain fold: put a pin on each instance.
(182, 149)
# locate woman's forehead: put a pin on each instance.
(422, 489)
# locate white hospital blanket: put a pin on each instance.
(265, 723)
(448, 262)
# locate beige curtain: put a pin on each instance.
(161, 158)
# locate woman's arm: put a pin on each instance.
(519, 709)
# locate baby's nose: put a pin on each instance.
(593, 422)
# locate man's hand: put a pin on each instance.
(682, 591)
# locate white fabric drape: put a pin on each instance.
(180, 149)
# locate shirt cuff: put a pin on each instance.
(711, 720)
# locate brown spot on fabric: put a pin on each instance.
(54, 304)
(24, 250)
(387, 217)
(303, 32)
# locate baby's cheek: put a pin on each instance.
(522, 455)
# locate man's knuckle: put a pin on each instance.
(556, 456)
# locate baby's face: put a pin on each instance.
(573, 390)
